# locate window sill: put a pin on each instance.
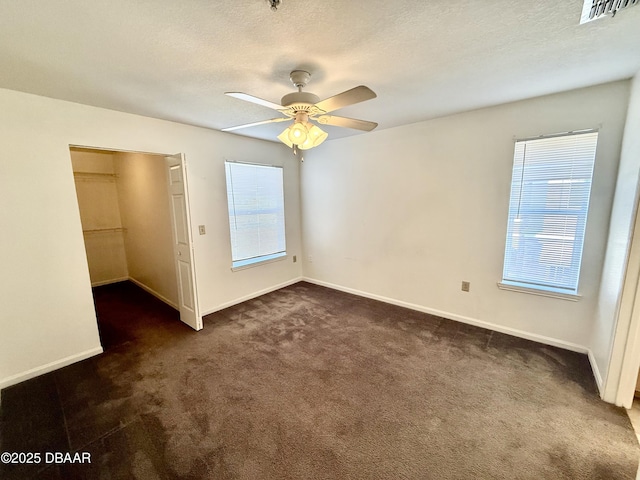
(269, 259)
(543, 293)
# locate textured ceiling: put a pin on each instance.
(174, 59)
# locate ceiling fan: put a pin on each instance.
(303, 107)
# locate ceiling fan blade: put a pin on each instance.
(344, 99)
(246, 125)
(250, 98)
(346, 122)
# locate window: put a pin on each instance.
(548, 207)
(256, 213)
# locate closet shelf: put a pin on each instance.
(103, 230)
(94, 175)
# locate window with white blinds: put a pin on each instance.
(548, 207)
(256, 213)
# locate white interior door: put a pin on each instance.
(183, 242)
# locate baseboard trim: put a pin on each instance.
(596, 372)
(554, 342)
(49, 367)
(252, 295)
(109, 282)
(150, 290)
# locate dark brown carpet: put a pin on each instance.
(310, 383)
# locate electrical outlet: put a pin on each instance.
(310, 258)
(466, 286)
(295, 259)
(201, 229)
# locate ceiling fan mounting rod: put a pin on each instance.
(299, 101)
(300, 78)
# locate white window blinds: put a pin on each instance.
(256, 212)
(548, 207)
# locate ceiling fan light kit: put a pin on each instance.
(303, 136)
(305, 106)
(302, 133)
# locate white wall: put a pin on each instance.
(622, 264)
(408, 213)
(145, 212)
(47, 317)
(97, 194)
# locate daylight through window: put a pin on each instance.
(256, 213)
(548, 206)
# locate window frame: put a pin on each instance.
(249, 262)
(532, 284)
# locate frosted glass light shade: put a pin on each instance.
(298, 133)
(315, 137)
(284, 138)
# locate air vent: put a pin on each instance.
(594, 9)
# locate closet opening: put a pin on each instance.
(129, 211)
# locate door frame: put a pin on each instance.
(621, 376)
